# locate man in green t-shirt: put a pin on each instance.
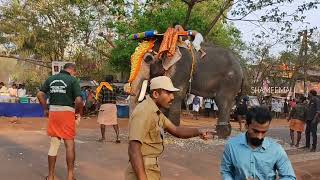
(65, 101)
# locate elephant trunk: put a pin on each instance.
(136, 86)
(175, 112)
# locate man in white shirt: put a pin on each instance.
(208, 106)
(22, 92)
(198, 39)
(196, 106)
(278, 108)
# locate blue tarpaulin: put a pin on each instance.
(123, 111)
(35, 110)
(21, 110)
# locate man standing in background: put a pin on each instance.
(208, 106)
(13, 91)
(22, 92)
(106, 96)
(312, 120)
(196, 106)
(65, 101)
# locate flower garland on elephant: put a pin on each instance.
(137, 58)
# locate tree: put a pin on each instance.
(37, 28)
(288, 67)
(98, 30)
(155, 15)
(241, 9)
(56, 30)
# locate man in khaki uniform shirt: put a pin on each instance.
(146, 129)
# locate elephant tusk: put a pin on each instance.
(143, 90)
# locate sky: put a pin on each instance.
(249, 29)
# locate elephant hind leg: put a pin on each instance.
(224, 103)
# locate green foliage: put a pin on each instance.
(163, 16)
(32, 86)
(55, 30)
(120, 60)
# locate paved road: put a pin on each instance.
(24, 147)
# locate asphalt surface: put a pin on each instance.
(24, 146)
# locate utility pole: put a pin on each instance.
(303, 53)
(304, 59)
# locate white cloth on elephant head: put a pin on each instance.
(198, 39)
(168, 62)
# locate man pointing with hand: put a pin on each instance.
(146, 130)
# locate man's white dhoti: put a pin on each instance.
(198, 39)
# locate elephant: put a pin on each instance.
(218, 75)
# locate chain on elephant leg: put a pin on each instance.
(223, 129)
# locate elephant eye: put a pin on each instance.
(148, 58)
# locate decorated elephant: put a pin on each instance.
(218, 75)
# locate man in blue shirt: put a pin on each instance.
(252, 156)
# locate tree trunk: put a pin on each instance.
(215, 20)
(190, 7)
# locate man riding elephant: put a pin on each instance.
(197, 39)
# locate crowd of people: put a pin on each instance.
(304, 116)
(280, 108)
(13, 93)
(198, 103)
